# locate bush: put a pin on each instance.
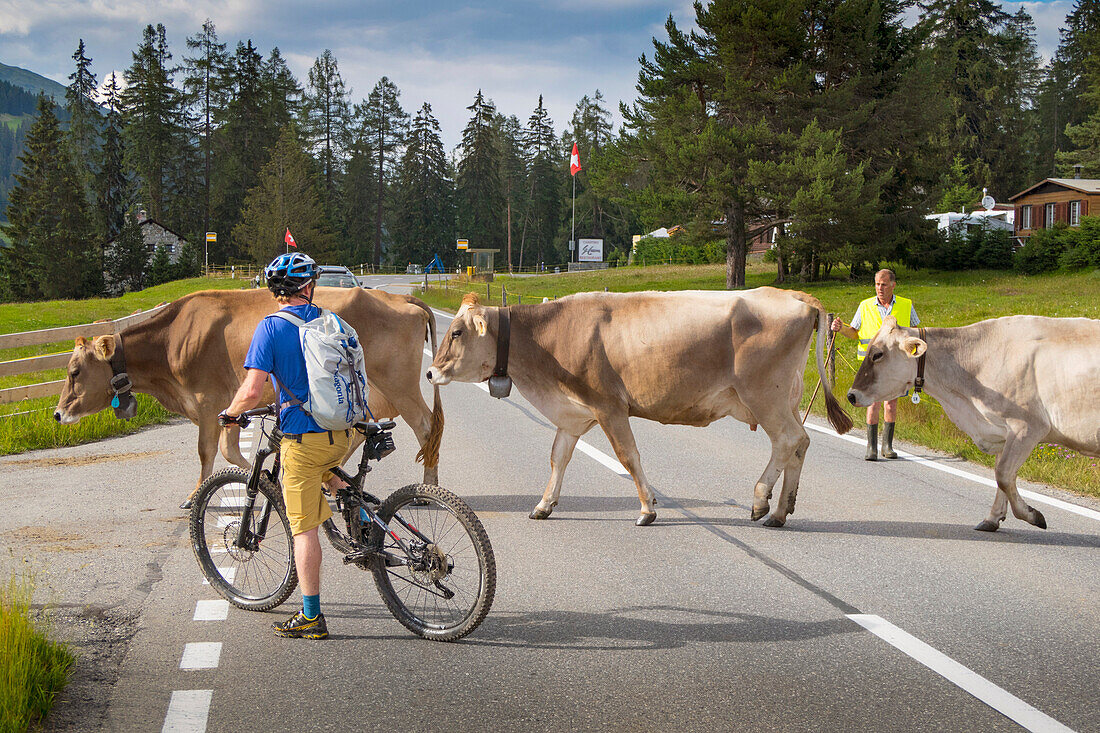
(976, 248)
(662, 250)
(1043, 250)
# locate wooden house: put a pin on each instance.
(1054, 200)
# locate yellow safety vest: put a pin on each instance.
(870, 320)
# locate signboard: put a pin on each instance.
(463, 244)
(211, 236)
(590, 250)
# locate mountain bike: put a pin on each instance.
(428, 553)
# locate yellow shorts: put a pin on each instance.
(305, 468)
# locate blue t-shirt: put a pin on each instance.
(276, 349)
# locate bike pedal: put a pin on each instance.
(359, 556)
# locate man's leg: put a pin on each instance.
(307, 557)
(872, 433)
(889, 416)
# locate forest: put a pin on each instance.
(837, 123)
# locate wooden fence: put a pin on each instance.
(57, 360)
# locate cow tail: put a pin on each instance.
(429, 452)
(838, 418)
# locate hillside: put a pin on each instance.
(32, 82)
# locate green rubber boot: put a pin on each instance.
(872, 443)
(888, 440)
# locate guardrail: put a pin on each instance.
(57, 360)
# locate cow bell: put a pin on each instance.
(500, 385)
(125, 406)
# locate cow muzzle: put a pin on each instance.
(65, 418)
(435, 376)
(855, 397)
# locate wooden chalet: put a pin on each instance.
(1054, 200)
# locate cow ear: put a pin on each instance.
(480, 324)
(889, 323)
(105, 347)
(81, 343)
(914, 347)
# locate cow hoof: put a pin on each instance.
(774, 521)
(645, 518)
(186, 505)
(987, 526)
(539, 513)
(1038, 519)
(758, 513)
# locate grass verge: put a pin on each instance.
(941, 299)
(33, 668)
(36, 428)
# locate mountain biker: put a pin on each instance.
(307, 450)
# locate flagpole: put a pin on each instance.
(573, 230)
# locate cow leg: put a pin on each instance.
(792, 471)
(1017, 448)
(787, 436)
(617, 428)
(564, 443)
(209, 431)
(416, 415)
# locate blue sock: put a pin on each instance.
(311, 606)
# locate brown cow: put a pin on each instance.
(190, 357)
(1009, 383)
(688, 358)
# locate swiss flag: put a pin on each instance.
(574, 161)
(290, 240)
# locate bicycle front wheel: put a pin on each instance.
(443, 587)
(259, 575)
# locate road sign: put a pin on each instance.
(463, 244)
(211, 236)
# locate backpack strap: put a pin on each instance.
(298, 322)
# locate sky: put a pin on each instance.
(435, 51)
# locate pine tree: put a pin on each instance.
(958, 193)
(160, 268)
(126, 259)
(386, 123)
(243, 140)
(203, 84)
(479, 193)
(283, 92)
(286, 196)
(513, 179)
(112, 185)
(325, 112)
(151, 115)
(424, 207)
(540, 222)
(84, 119)
(54, 251)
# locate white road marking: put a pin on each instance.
(201, 655)
(228, 573)
(995, 697)
(211, 610)
(187, 711)
(1030, 495)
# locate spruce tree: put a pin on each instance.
(282, 90)
(513, 179)
(478, 190)
(203, 84)
(55, 252)
(152, 111)
(111, 183)
(386, 122)
(126, 259)
(424, 207)
(161, 269)
(324, 115)
(540, 222)
(286, 196)
(85, 120)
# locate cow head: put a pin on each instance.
(87, 388)
(890, 366)
(468, 351)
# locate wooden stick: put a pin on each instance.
(828, 346)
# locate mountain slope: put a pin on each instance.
(32, 82)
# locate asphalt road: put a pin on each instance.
(877, 607)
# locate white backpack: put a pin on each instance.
(334, 368)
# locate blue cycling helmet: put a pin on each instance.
(288, 273)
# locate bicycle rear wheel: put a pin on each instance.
(444, 588)
(260, 576)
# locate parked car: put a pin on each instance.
(337, 276)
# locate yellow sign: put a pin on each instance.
(211, 236)
(463, 244)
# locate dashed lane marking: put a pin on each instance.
(187, 711)
(201, 655)
(211, 610)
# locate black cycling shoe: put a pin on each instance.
(300, 627)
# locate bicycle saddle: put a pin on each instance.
(370, 428)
